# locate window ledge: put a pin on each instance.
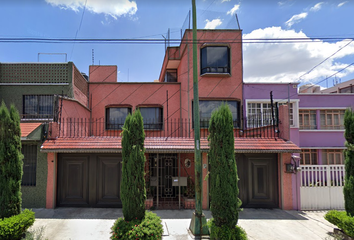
(216, 75)
(321, 130)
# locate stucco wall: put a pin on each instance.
(35, 196)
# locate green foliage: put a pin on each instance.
(14, 227)
(224, 204)
(10, 162)
(349, 162)
(133, 193)
(149, 227)
(225, 232)
(342, 221)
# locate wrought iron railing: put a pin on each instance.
(169, 128)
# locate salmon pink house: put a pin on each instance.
(83, 143)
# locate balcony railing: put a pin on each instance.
(170, 128)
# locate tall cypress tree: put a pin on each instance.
(10, 162)
(133, 193)
(224, 204)
(349, 162)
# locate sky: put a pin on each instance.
(325, 57)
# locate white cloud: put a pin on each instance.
(213, 23)
(225, 1)
(286, 62)
(233, 10)
(113, 8)
(296, 18)
(342, 3)
(316, 7)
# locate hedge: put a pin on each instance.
(342, 221)
(14, 227)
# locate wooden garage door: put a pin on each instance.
(89, 180)
(258, 182)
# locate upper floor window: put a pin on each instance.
(332, 156)
(29, 165)
(308, 156)
(152, 117)
(115, 117)
(206, 107)
(332, 119)
(307, 119)
(38, 106)
(260, 114)
(215, 59)
(171, 75)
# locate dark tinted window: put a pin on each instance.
(115, 117)
(215, 59)
(152, 116)
(171, 75)
(38, 106)
(29, 165)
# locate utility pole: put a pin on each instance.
(198, 223)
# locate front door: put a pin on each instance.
(258, 183)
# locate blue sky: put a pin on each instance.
(120, 19)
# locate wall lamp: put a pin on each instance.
(294, 165)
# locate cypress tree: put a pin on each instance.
(133, 193)
(349, 162)
(224, 191)
(10, 162)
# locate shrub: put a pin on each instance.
(349, 162)
(225, 232)
(342, 221)
(149, 227)
(14, 227)
(10, 162)
(133, 193)
(224, 204)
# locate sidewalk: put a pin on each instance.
(95, 223)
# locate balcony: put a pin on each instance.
(252, 127)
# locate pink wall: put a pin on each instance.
(135, 94)
(73, 109)
(51, 181)
(80, 87)
(286, 183)
(98, 73)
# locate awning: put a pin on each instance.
(166, 145)
(30, 131)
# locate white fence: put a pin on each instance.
(322, 187)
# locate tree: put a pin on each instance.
(133, 193)
(224, 191)
(10, 162)
(349, 162)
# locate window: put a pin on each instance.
(308, 157)
(332, 119)
(332, 156)
(307, 119)
(171, 75)
(29, 165)
(38, 106)
(260, 114)
(206, 107)
(115, 117)
(152, 117)
(215, 59)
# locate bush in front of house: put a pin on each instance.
(14, 227)
(349, 162)
(10, 162)
(149, 227)
(224, 232)
(133, 193)
(224, 204)
(342, 221)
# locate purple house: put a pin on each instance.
(316, 126)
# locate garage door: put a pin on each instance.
(89, 180)
(258, 183)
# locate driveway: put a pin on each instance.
(95, 223)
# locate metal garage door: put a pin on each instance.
(89, 180)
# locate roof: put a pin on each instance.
(170, 145)
(28, 128)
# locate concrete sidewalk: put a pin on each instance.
(95, 223)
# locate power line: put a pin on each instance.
(82, 17)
